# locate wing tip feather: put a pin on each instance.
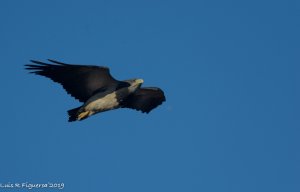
(56, 62)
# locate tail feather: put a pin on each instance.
(73, 113)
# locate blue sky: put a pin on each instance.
(230, 72)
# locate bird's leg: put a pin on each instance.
(83, 115)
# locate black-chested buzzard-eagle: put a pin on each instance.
(97, 89)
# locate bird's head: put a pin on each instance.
(139, 81)
(135, 83)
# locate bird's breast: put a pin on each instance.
(100, 102)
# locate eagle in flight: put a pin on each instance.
(97, 89)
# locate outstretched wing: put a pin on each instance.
(80, 81)
(145, 99)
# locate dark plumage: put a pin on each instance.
(97, 89)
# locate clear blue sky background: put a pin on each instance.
(229, 69)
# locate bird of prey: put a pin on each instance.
(97, 89)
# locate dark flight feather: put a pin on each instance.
(80, 81)
(144, 99)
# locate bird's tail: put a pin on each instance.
(73, 113)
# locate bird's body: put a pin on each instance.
(97, 89)
(104, 101)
